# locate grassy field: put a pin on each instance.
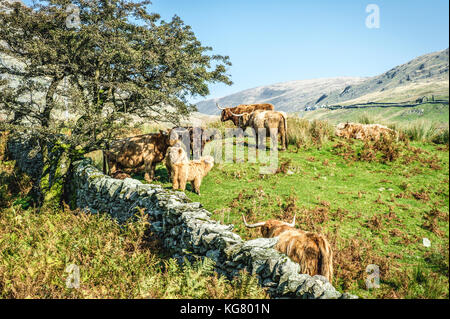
(405, 92)
(437, 114)
(373, 210)
(375, 202)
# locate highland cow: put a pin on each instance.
(359, 131)
(270, 121)
(310, 250)
(229, 113)
(137, 154)
(193, 171)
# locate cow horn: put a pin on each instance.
(291, 224)
(220, 108)
(252, 225)
(239, 115)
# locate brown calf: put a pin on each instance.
(192, 171)
(271, 121)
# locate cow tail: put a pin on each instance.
(326, 255)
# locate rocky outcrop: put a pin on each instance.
(186, 230)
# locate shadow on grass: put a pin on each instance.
(161, 177)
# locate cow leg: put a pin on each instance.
(196, 184)
(285, 138)
(175, 178)
(260, 138)
(149, 172)
(273, 138)
(283, 142)
(153, 171)
(182, 180)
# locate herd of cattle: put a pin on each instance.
(141, 154)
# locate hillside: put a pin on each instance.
(425, 75)
(288, 96)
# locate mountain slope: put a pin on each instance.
(288, 96)
(425, 75)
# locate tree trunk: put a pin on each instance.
(49, 102)
(56, 166)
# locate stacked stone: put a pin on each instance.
(186, 230)
(24, 148)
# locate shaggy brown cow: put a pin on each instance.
(229, 114)
(359, 131)
(137, 154)
(175, 155)
(268, 120)
(193, 171)
(310, 250)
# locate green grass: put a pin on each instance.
(432, 113)
(368, 210)
(373, 211)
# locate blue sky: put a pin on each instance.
(271, 41)
(278, 41)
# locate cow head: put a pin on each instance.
(225, 115)
(164, 141)
(340, 128)
(179, 135)
(272, 227)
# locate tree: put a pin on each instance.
(103, 60)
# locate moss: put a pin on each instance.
(54, 173)
(95, 176)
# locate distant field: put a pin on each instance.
(405, 92)
(437, 114)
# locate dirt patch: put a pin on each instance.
(421, 195)
(431, 221)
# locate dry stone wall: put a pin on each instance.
(186, 230)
